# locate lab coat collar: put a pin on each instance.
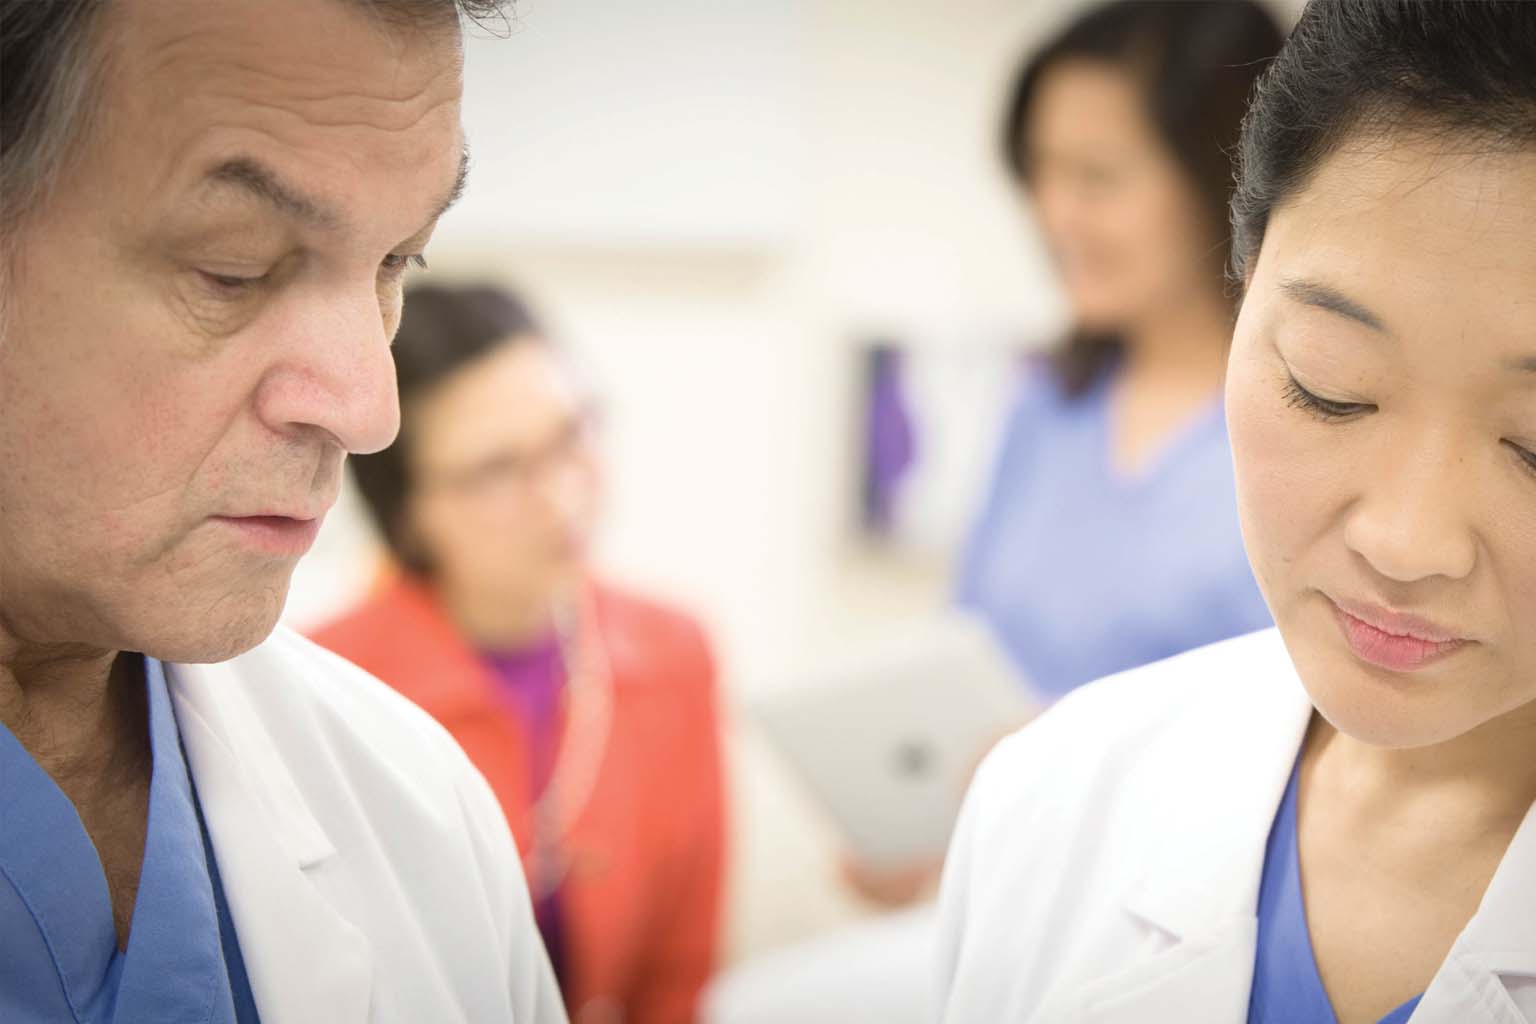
(1199, 893)
(1214, 830)
(1492, 975)
(270, 850)
(1199, 896)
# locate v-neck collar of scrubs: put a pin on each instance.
(58, 946)
(1190, 431)
(1287, 987)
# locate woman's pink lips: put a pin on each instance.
(283, 536)
(1388, 640)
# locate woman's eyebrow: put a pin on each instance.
(1321, 296)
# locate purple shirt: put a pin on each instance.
(532, 682)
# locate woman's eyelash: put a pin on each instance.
(1526, 456)
(1298, 397)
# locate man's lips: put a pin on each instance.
(280, 535)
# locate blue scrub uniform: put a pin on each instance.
(1083, 571)
(1286, 986)
(59, 959)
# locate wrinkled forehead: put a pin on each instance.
(327, 90)
(294, 49)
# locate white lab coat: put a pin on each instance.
(1106, 866)
(367, 866)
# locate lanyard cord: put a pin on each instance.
(588, 698)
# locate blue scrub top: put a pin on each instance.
(59, 959)
(1083, 571)
(1287, 988)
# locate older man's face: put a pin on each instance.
(200, 317)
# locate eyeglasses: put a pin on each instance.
(515, 470)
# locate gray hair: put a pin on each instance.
(45, 78)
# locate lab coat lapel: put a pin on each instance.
(1203, 979)
(1489, 977)
(1201, 934)
(1198, 899)
(306, 962)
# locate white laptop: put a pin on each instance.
(887, 738)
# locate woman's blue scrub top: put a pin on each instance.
(1287, 988)
(1083, 571)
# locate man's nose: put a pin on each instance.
(334, 373)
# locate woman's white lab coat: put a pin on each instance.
(368, 869)
(1106, 867)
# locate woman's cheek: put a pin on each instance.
(1270, 451)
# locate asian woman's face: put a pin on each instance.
(1381, 398)
(1122, 220)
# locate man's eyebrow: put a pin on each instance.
(261, 181)
(1320, 296)
(457, 191)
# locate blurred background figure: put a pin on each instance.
(591, 711)
(1109, 537)
(1109, 534)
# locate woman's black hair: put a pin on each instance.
(442, 330)
(1196, 61)
(1456, 68)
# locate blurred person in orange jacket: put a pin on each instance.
(590, 711)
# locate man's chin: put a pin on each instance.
(219, 631)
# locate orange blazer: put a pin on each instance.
(642, 898)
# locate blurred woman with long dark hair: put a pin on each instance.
(1110, 535)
